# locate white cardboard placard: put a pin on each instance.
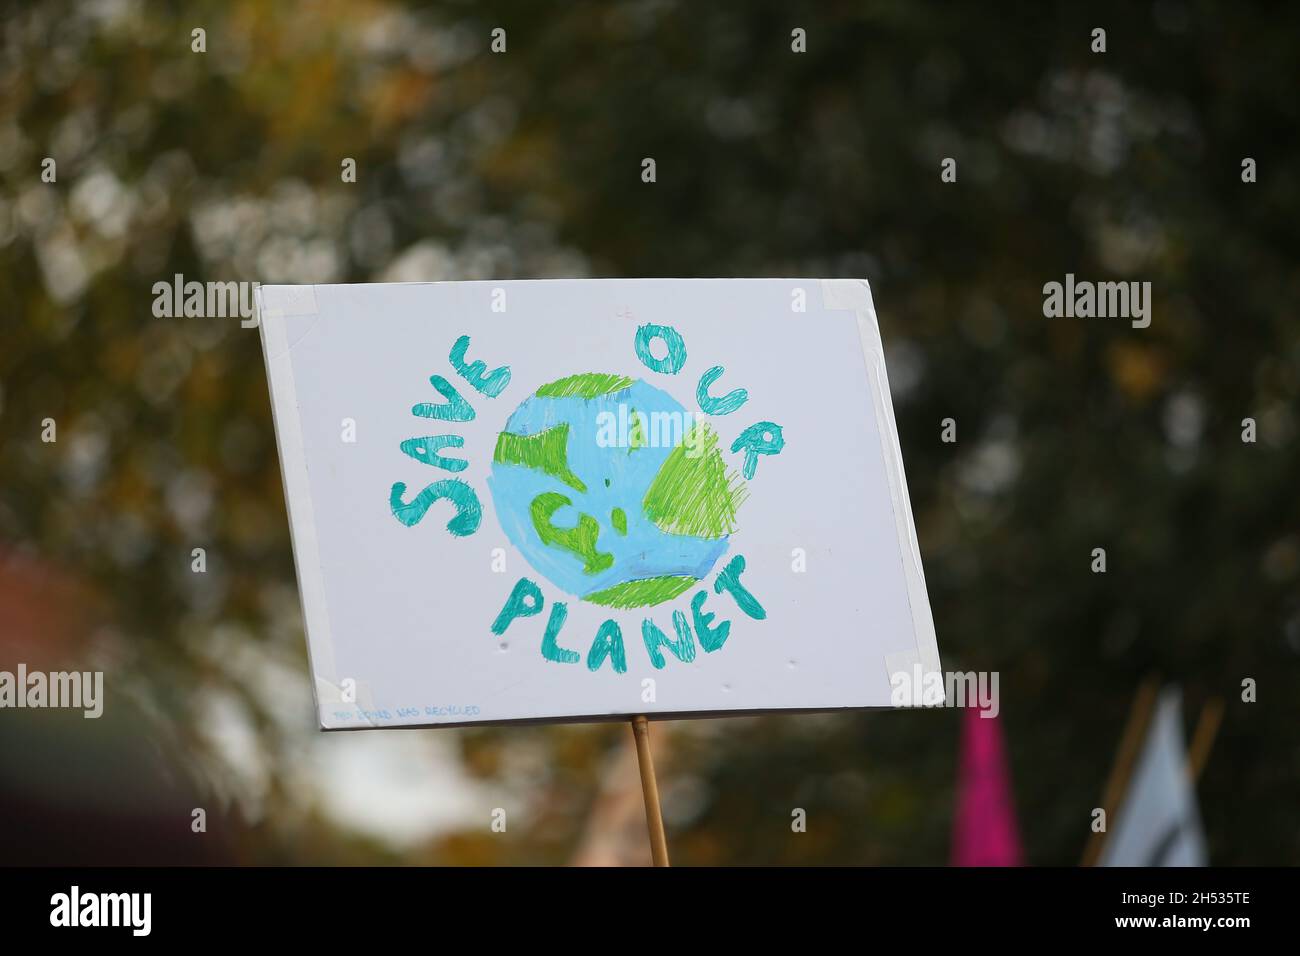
(493, 486)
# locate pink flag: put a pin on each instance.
(984, 831)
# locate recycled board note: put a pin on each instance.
(584, 499)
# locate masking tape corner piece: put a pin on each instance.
(289, 300)
(329, 694)
(911, 664)
(848, 295)
(899, 662)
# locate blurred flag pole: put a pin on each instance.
(654, 820)
(1138, 718)
(1207, 728)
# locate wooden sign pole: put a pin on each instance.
(654, 820)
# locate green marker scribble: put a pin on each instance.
(547, 451)
(694, 494)
(618, 518)
(635, 432)
(642, 592)
(579, 540)
(585, 385)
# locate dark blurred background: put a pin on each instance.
(1072, 434)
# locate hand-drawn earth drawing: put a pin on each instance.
(613, 491)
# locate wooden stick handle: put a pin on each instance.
(654, 820)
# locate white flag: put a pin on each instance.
(1158, 824)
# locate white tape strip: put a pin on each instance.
(848, 295)
(911, 684)
(289, 299)
(297, 488)
(854, 295)
(330, 697)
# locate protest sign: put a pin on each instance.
(587, 499)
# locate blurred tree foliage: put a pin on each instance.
(1072, 434)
